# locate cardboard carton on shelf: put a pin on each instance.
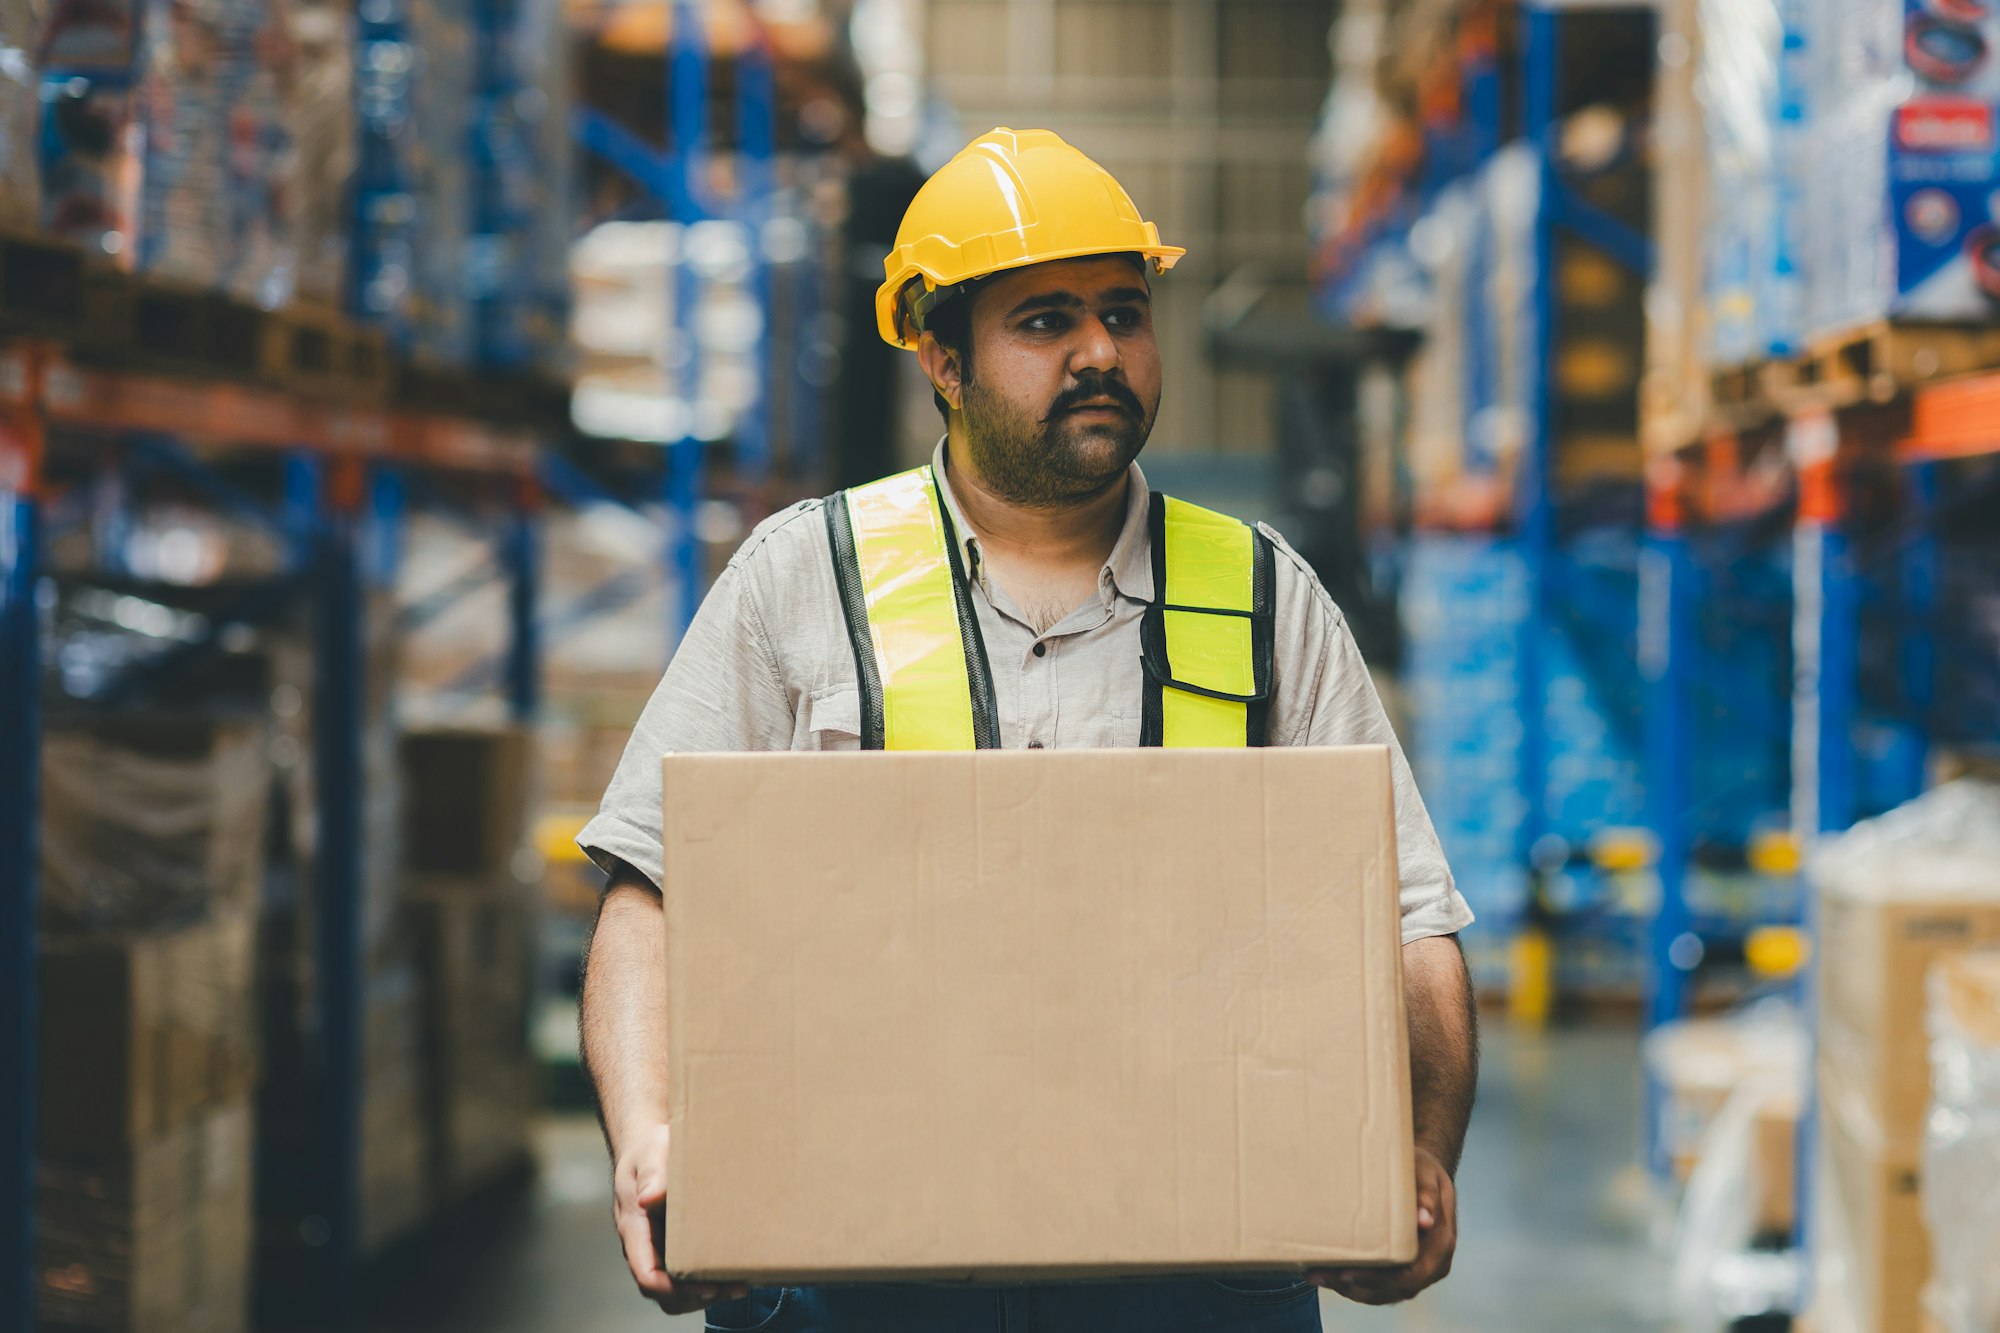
(152, 1234)
(142, 1033)
(465, 801)
(1055, 1014)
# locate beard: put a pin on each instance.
(1059, 459)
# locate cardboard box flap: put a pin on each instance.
(1012, 1013)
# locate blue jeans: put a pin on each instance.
(1213, 1305)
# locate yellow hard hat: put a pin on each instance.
(1009, 199)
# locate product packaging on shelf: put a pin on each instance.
(1900, 895)
(20, 113)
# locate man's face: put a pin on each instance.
(1065, 379)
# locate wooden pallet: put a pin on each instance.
(320, 352)
(530, 399)
(1879, 361)
(52, 289)
(55, 289)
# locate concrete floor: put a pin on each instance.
(1553, 1221)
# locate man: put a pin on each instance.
(1016, 592)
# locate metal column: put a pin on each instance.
(687, 93)
(521, 555)
(1824, 656)
(1537, 500)
(1916, 661)
(20, 855)
(1666, 663)
(757, 145)
(339, 715)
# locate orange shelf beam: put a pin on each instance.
(1957, 419)
(246, 416)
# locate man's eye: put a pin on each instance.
(1126, 318)
(1049, 323)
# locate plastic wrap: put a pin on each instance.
(323, 132)
(20, 189)
(1701, 1063)
(167, 143)
(551, 225)
(1718, 1277)
(437, 152)
(1751, 281)
(1943, 844)
(151, 820)
(260, 162)
(1962, 1146)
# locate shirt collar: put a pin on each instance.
(1130, 565)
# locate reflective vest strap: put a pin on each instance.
(909, 619)
(1212, 584)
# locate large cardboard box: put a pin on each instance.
(1875, 954)
(475, 967)
(465, 800)
(149, 1237)
(142, 1033)
(1873, 1249)
(1028, 1014)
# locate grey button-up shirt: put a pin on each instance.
(766, 665)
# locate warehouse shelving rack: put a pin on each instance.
(1543, 524)
(330, 453)
(351, 461)
(1846, 448)
(1561, 210)
(677, 180)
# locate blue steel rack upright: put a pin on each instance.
(1561, 210)
(21, 443)
(677, 181)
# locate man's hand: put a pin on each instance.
(638, 1206)
(1437, 1238)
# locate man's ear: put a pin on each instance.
(941, 365)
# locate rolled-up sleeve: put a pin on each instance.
(722, 691)
(1325, 696)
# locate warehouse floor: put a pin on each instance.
(1553, 1220)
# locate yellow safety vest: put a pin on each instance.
(1205, 640)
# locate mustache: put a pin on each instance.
(1096, 386)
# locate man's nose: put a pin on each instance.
(1094, 348)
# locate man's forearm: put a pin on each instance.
(1444, 1045)
(623, 1021)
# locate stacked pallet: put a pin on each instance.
(150, 1048)
(1899, 896)
(471, 920)
(1823, 215)
(212, 148)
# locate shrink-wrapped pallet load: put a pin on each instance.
(1962, 1145)
(1899, 895)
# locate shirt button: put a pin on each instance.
(1034, 745)
(1041, 650)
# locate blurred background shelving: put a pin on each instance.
(381, 384)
